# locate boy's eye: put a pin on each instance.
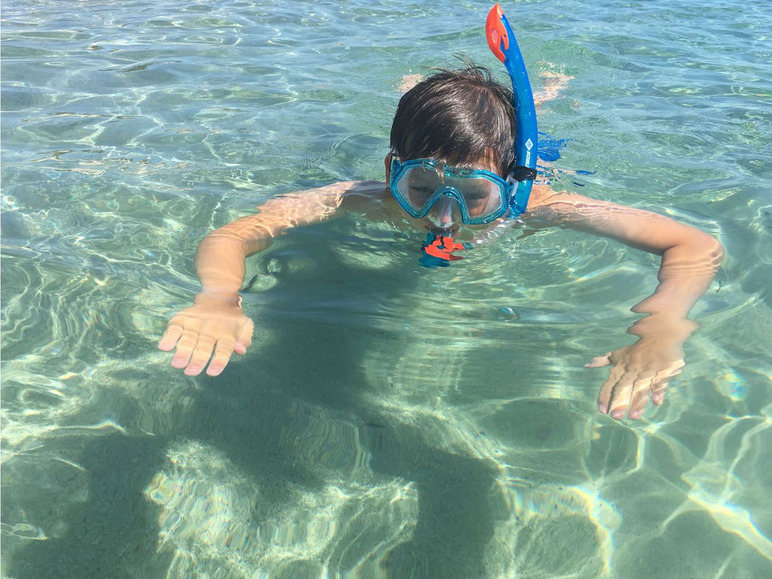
(424, 183)
(421, 190)
(476, 194)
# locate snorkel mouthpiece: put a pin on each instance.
(439, 247)
(502, 42)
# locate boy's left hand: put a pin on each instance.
(642, 370)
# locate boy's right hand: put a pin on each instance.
(642, 370)
(214, 327)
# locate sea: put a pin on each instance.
(389, 420)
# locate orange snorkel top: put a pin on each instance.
(496, 32)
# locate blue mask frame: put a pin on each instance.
(399, 168)
(502, 42)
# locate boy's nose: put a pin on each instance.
(445, 213)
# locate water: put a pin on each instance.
(388, 420)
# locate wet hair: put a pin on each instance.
(457, 117)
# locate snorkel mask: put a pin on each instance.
(422, 187)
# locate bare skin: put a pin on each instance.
(206, 335)
(216, 326)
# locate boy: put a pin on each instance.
(454, 131)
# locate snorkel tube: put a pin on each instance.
(502, 43)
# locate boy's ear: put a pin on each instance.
(387, 165)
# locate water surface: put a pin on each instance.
(388, 420)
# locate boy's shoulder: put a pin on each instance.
(544, 199)
(366, 188)
(342, 189)
(335, 194)
(357, 196)
(360, 195)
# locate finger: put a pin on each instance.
(201, 354)
(673, 370)
(639, 399)
(185, 347)
(620, 399)
(607, 389)
(632, 398)
(662, 382)
(222, 354)
(658, 391)
(170, 337)
(245, 338)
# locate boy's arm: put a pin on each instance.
(690, 259)
(215, 325)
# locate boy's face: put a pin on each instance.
(445, 196)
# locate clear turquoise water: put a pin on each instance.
(389, 420)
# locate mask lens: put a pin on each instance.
(480, 196)
(418, 184)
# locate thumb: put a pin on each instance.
(599, 361)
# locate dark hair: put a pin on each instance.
(456, 117)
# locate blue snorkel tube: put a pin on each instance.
(502, 43)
